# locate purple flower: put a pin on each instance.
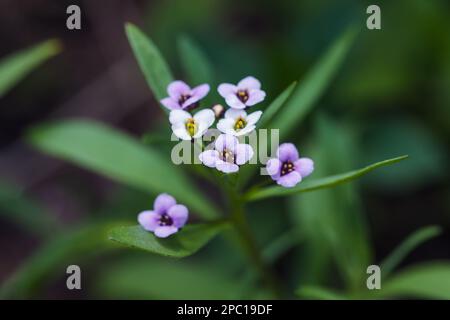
(227, 154)
(247, 93)
(181, 96)
(287, 169)
(166, 218)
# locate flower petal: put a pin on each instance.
(179, 116)
(179, 214)
(253, 118)
(226, 125)
(163, 202)
(244, 131)
(273, 166)
(244, 152)
(235, 114)
(234, 102)
(209, 158)
(177, 88)
(287, 152)
(164, 232)
(249, 83)
(226, 167)
(180, 131)
(254, 97)
(227, 89)
(200, 91)
(304, 166)
(170, 103)
(290, 180)
(206, 116)
(226, 141)
(149, 220)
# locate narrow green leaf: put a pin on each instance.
(430, 280)
(308, 91)
(318, 293)
(310, 185)
(194, 62)
(150, 60)
(120, 157)
(184, 243)
(408, 245)
(18, 65)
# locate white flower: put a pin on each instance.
(237, 122)
(188, 127)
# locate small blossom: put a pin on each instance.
(245, 94)
(287, 169)
(181, 96)
(166, 218)
(238, 123)
(188, 127)
(228, 154)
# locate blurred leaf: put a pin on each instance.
(408, 245)
(151, 62)
(195, 63)
(25, 212)
(184, 243)
(308, 91)
(322, 183)
(430, 280)
(18, 65)
(151, 278)
(119, 157)
(318, 293)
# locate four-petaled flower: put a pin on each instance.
(228, 154)
(245, 94)
(288, 169)
(166, 218)
(181, 96)
(188, 127)
(237, 122)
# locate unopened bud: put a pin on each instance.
(218, 110)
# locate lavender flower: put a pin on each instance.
(288, 169)
(247, 93)
(166, 218)
(238, 123)
(227, 154)
(188, 127)
(181, 96)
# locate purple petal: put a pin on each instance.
(226, 167)
(287, 152)
(244, 152)
(200, 91)
(235, 114)
(249, 83)
(226, 141)
(290, 180)
(170, 103)
(149, 220)
(227, 89)
(304, 166)
(178, 88)
(164, 232)
(209, 158)
(234, 102)
(273, 167)
(255, 96)
(179, 215)
(163, 202)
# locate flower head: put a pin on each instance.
(245, 94)
(238, 123)
(181, 96)
(166, 218)
(287, 169)
(188, 127)
(228, 154)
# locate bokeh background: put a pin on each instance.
(391, 97)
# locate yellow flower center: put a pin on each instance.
(240, 124)
(191, 127)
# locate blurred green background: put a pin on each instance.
(390, 97)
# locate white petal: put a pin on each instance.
(226, 125)
(206, 116)
(180, 131)
(253, 118)
(235, 114)
(226, 89)
(249, 83)
(226, 167)
(244, 153)
(209, 158)
(226, 141)
(179, 116)
(234, 102)
(244, 131)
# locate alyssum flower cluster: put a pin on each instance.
(227, 154)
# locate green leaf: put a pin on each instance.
(318, 293)
(408, 245)
(430, 280)
(18, 65)
(151, 62)
(184, 243)
(120, 157)
(308, 91)
(195, 63)
(322, 183)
